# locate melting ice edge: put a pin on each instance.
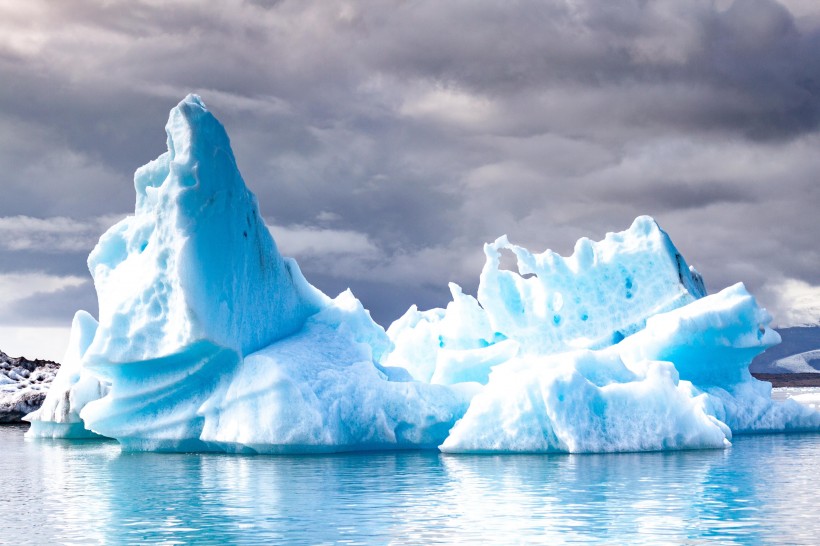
(209, 340)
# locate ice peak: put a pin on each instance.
(644, 225)
(192, 129)
(199, 260)
(194, 100)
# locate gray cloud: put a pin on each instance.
(420, 130)
(50, 309)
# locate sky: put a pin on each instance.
(387, 141)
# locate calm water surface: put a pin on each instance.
(762, 490)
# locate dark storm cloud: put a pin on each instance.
(50, 309)
(427, 128)
(680, 195)
(747, 69)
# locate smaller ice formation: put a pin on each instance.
(71, 389)
(598, 296)
(209, 339)
(681, 382)
(23, 385)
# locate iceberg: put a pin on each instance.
(208, 339)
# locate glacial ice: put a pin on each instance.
(681, 382)
(72, 388)
(598, 296)
(209, 339)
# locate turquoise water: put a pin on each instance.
(762, 490)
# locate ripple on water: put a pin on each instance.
(759, 490)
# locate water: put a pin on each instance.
(808, 396)
(762, 490)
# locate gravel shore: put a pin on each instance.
(790, 379)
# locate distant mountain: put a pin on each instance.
(798, 353)
(23, 385)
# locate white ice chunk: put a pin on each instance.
(319, 391)
(72, 388)
(682, 382)
(585, 401)
(598, 296)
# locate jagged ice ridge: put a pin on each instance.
(209, 339)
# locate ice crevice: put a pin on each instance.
(209, 339)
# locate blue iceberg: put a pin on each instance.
(209, 340)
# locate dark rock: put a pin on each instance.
(23, 385)
(790, 379)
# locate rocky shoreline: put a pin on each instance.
(790, 379)
(24, 384)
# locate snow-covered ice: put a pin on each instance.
(798, 352)
(806, 362)
(209, 339)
